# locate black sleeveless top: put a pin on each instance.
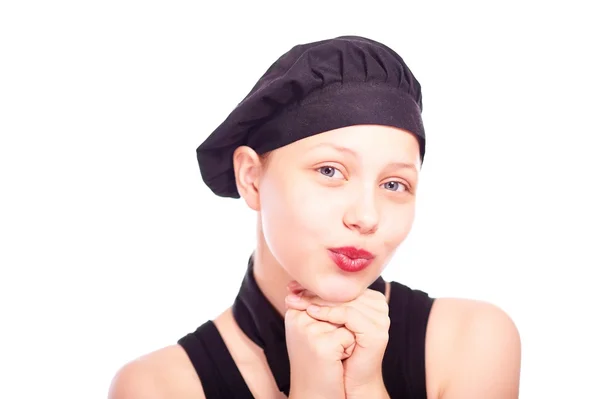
(403, 362)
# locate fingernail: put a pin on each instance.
(314, 308)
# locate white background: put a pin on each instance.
(111, 246)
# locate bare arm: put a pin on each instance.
(164, 374)
(487, 357)
(134, 381)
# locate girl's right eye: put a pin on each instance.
(330, 171)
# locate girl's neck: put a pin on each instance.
(271, 278)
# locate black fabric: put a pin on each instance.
(213, 363)
(404, 359)
(313, 88)
(403, 362)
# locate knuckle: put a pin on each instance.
(385, 310)
(374, 294)
(384, 304)
(380, 299)
(314, 329)
(386, 322)
(295, 318)
(380, 334)
(379, 295)
(349, 311)
(383, 337)
(347, 335)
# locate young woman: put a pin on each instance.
(327, 149)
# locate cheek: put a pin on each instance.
(395, 228)
(295, 219)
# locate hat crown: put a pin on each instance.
(343, 59)
(312, 88)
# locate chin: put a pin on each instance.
(339, 288)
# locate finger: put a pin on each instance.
(370, 298)
(346, 340)
(300, 300)
(349, 351)
(373, 306)
(350, 317)
(302, 318)
(296, 301)
(375, 300)
(377, 315)
(374, 316)
(304, 299)
(306, 321)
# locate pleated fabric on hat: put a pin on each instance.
(313, 88)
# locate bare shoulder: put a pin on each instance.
(473, 350)
(165, 373)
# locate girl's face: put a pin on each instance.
(349, 187)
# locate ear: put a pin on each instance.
(247, 167)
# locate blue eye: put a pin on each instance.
(329, 171)
(394, 186)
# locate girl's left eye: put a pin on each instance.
(330, 171)
(395, 186)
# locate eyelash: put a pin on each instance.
(406, 186)
(319, 169)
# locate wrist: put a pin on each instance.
(304, 395)
(373, 390)
(306, 391)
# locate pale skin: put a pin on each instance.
(354, 186)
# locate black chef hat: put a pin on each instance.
(313, 88)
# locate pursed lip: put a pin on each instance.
(353, 252)
(351, 259)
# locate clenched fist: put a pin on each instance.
(366, 319)
(316, 350)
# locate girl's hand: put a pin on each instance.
(367, 317)
(316, 350)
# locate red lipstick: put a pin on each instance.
(351, 259)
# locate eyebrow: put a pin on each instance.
(335, 147)
(403, 165)
(392, 165)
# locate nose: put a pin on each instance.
(362, 215)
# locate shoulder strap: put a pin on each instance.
(214, 365)
(404, 359)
